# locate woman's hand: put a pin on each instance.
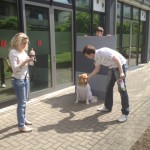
(32, 53)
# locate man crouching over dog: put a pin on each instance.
(117, 65)
(83, 90)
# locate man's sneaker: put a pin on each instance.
(3, 85)
(103, 109)
(123, 118)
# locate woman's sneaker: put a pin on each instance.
(123, 118)
(25, 129)
(103, 109)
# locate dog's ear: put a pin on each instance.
(85, 76)
(79, 76)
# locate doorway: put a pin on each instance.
(50, 33)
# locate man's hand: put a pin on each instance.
(122, 75)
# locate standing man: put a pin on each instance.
(117, 65)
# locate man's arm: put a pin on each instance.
(117, 60)
(95, 71)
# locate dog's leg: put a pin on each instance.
(87, 101)
(77, 96)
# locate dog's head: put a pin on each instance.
(83, 79)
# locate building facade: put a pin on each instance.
(52, 26)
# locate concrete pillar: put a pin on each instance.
(110, 27)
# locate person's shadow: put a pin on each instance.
(5, 132)
(71, 125)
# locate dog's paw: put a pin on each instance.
(94, 100)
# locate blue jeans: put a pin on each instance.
(114, 76)
(21, 87)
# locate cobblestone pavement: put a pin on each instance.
(59, 124)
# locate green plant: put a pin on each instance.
(10, 22)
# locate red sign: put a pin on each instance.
(3, 43)
(39, 43)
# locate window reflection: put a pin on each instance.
(126, 38)
(83, 3)
(38, 31)
(82, 23)
(127, 11)
(63, 39)
(9, 26)
(37, 18)
(118, 35)
(118, 9)
(135, 13)
(64, 1)
(97, 21)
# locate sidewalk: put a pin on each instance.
(59, 124)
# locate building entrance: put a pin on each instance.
(50, 33)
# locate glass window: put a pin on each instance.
(36, 18)
(135, 13)
(9, 26)
(118, 34)
(118, 9)
(40, 1)
(126, 11)
(97, 21)
(37, 21)
(99, 5)
(83, 3)
(82, 23)
(63, 39)
(64, 1)
(126, 38)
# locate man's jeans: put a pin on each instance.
(113, 75)
(21, 87)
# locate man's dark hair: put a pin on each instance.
(88, 49)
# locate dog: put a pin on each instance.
(83, 90)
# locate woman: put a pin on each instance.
(19, 61)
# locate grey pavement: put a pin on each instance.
(59, 124)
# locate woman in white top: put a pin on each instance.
(19, 61)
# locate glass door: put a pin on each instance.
(126, 42)
(63, 46)
(134, 44)
(130, 42)
(38, 30)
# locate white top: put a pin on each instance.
(104, 57)
(16, 58)
(84, 92)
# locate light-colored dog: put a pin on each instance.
(83, 90)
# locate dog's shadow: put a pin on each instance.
(87, 124)
(67, 103)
